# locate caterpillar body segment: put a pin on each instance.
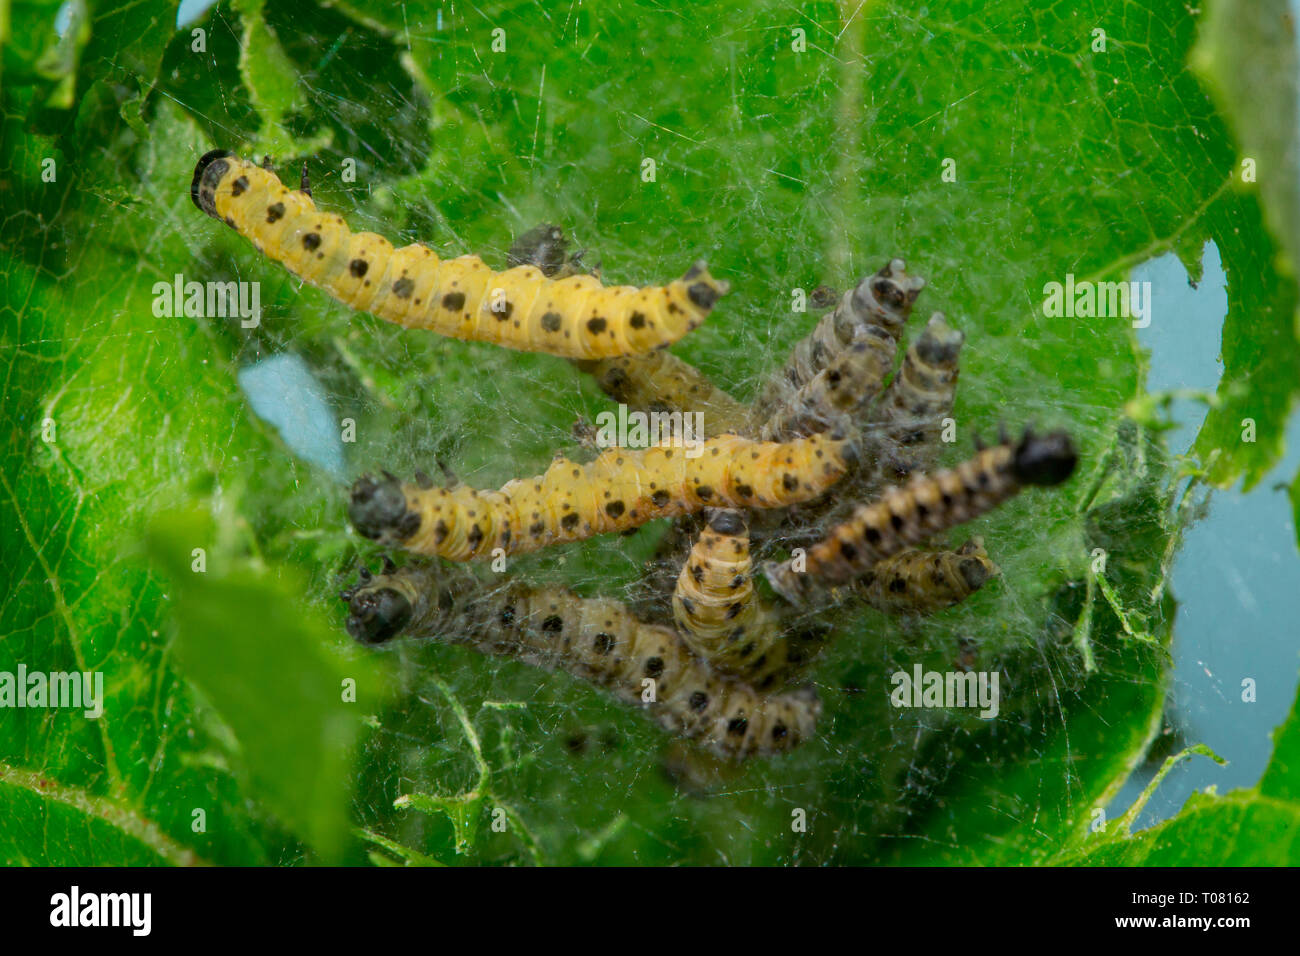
(928, 505)
(923, 582)
(661, 382)
(718, 614)
(906, 424)
(714, 594)
(925, 385)
(833, 397)
(595, 639)
(520, 308)
(873, 313)
(622, 489)
(899, 436)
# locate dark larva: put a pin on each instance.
(905, 425)
(923, 582)
(929, 505)
(871, 315)
(836, 394)
(592, 638)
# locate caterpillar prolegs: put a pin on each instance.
(927, 506)
(621, 489)
(595, 639)
(519, 308)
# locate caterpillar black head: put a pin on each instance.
(702, 289)
(851, 451)
(379, 507)
(939, 343)
(210, 169)
(545, 247)
(890, 293)
(974, 565)
(377, 613)
(726, 521)
(1045, 460)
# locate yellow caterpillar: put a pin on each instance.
(655, 381)
(621, 489)
(519, 308)
(596, 639)
(927, 506)
(660, 381)
(718, 614)
(922, 582)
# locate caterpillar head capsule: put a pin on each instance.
(378, 507)
(725, 520)
(702, 288)
(377, 614)
(852, 448)
(545, 247)
(1045, 460)
(974, 564)
(888, 296)
(939, 343)
(207, 173)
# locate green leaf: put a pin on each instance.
(50, 825)
(1258, 826)
(273, 85)
(244, 639)
(112, 415)
(1282, 777)
(1246, 52)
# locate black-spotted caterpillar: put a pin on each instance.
(519, 308)
(904, 430)
(621, 489)
(655, 381)
(719, 615)
(927, 506)
(922, 582)
(597, 639)
(842, 364)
